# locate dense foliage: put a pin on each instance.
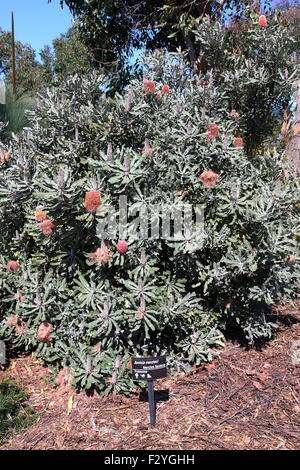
(256, 68)
(111, 30)
(29, 72)
(90, 304)
(69, 56)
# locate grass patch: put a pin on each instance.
(13, 415)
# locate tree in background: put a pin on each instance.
(69, 56)
(112, 29)
(29, 72)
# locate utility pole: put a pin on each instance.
(13, 55)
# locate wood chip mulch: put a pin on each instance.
(246, 400)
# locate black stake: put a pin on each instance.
(152, 407)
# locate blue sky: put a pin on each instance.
(37, 22)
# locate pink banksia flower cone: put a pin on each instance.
(262, 20)
(122, 246)
(213, 132)
(291, 259)
(92, 201)
(4, 156)
(39, 215)
(13, 320)
(234, 114)
(238, 142)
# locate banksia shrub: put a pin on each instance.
(90, 309)
(255, 65)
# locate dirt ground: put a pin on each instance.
(246, 400)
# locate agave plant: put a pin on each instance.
(12, 113)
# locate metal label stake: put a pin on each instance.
(152, 404)
(150, 368)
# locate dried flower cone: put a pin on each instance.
(64, 377)
(149, 86)
(46, 227)
(44, 331)
(209, 178)
(4, 157)
(12, 266)
(101, 255)
(20, 326)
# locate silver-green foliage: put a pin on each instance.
(79, 140)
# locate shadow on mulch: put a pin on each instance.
(235, 334)
(159, 395)
(286, 320)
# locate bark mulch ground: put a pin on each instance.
(246, 400)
